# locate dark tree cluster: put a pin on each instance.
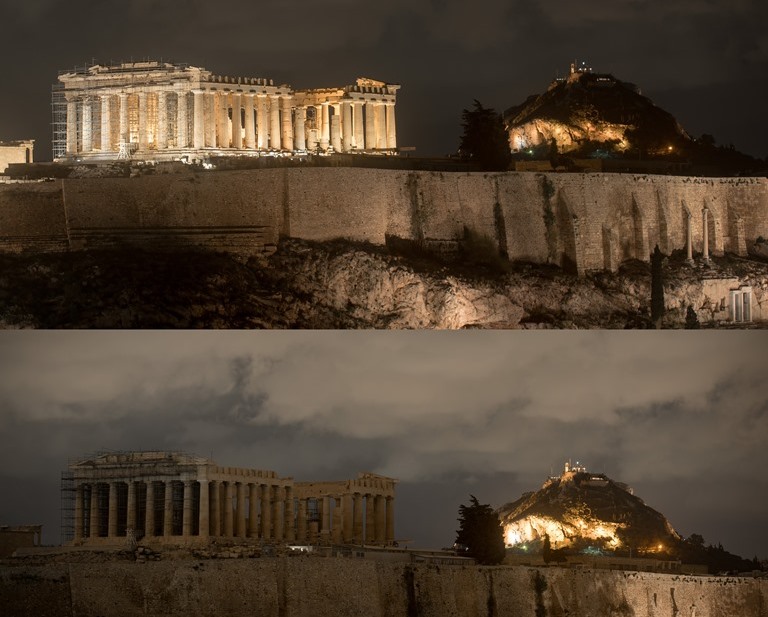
(485, 140)
(480, 532)
(694, 550)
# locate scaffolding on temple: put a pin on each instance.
(58, 121)
(67, 509)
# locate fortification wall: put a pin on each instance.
(578, 221)
(32, 217)
(317, 587)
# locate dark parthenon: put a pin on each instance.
(177, 498)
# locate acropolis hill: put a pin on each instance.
(126, 132)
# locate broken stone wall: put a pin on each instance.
(580, 222)
(320, 587)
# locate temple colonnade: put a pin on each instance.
(182, 504)
(151, 109)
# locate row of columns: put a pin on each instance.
(229, 509)
(229, 120)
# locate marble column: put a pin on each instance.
(71, 124)
(198, 119)
(262, 122)
(336, 132)
(162, 120)
(277, 515)
(182, 123)
(347, 512)
(347, 138)
(229, 523)
(336, 531)
(274, 119)
(289, 525)
(266, 511)
(204, 521)
(222, 120)
(391, 128)
(286, 102)
(149, 512)
(210, 119)
(253, 514)
(359, 125)
(705, 225)
(125, 128)
(241, 529)
(86, 137)
(381, 127)
(143, 142)
(186, 517)
(325, 126)
(237, 122)
(93, 531)
(370, 126)
(79, 503)
(301, 521)
(250, 125)
(370, 520)
(168, 510)
(380, 507)
(106, 123)
(325, 524)
(357, 529)
(390, 520)
(112, 518)
(216, 508)
(299, 136)
(130, 519)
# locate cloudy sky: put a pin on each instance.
(705, 61)
(681, 417)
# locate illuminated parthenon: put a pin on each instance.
(163, 111)
(176, 498)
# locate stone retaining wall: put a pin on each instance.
(578, 221)
(319, 587)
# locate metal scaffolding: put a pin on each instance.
(58, 121)
(67, 508)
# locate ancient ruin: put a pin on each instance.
(163, 111)
(20, 151)
(176, 498)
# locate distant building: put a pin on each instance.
(21, 151)
(19, 536)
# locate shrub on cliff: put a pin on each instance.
(481, 533)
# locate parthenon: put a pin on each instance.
(175, 498)
(163, 111)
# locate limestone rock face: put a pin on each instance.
(348, 285)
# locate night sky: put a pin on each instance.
(705, 61)
(681, 417)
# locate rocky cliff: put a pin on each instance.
(336, 587)
(581, 510)
(348, 285)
